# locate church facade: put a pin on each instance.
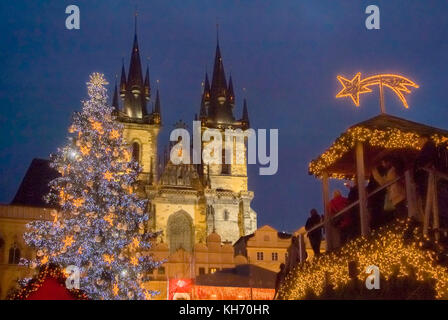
(188, 202)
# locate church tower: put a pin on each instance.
(226, 189)
(141, 128)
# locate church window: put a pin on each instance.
(226, 215)
(14, 255)
(266, 238)
(225, 168)
(201, 270)
(212, 270)
(136, 151)
(180, 231)
(274, 256)
(260, 256)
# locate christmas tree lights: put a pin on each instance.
(388, 249)
(101, 224)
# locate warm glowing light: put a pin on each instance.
(115, 289)
(109, 218)
(98, 127)
(108, 258)
(114, 134)
(135, 243)
(134, 261)
(84, 150)
(391, 138)
(78, 202)
(68, 241)
(386, 249)
(353, 88)
(108, 175)
(97, 79)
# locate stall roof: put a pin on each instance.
(380, 135)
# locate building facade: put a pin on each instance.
(188, 202)
(201, 210)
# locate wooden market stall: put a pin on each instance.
(360, 148)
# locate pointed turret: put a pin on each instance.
(115, 99)
(245, 119)
(157, 105)
(147, 86)
(206, 93)
(219, 84)
(136, 93)
(157, 116)
(220, 109)
(230, 93)
(135, 77)
(205, 101)
(123, 81)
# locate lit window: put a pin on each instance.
(274, 256)
(259, 255)
(212, 270)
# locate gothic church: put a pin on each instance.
(187, 202)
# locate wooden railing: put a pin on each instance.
(351, 206)
(415, 205)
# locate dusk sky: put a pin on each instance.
(286, 54)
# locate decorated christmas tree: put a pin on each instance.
(100, 226)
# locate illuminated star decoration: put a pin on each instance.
(97, 79)
(353, 88)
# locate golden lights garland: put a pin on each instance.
(47, 271)
(386, 250)
(392, 138)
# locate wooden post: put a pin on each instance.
(362, 194)
(429, 203)
(410, 194)
(435, 209)
(326, 199)
(302, 248)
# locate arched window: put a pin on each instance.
(136, 152)
(180, 231)
(226, 215)
(14, 255)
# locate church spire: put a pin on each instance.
(206, 93)
(135, 77)
(205, 101)
(156, 114)
(230, 93)
(135, 92)
(147, 86)
(245, 119)
(219, 84)
(115, 98)
(123, 81)
(157, 105)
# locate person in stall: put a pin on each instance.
(395, 198)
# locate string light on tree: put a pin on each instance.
(100, 217)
